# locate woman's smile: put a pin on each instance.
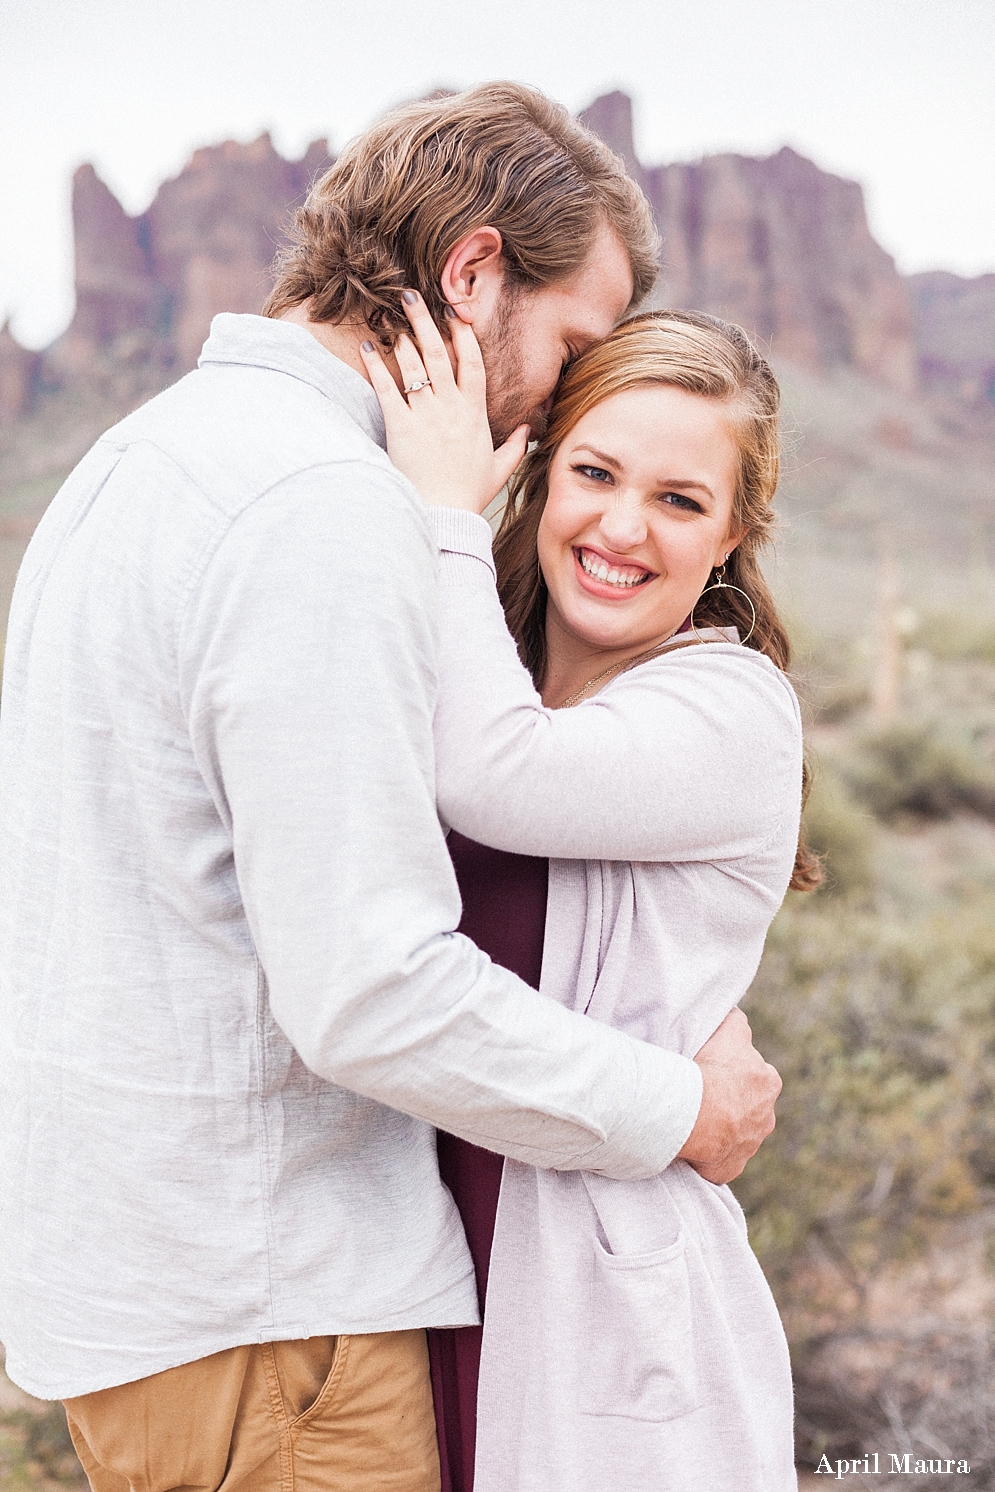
(638, 513)
(607, 574)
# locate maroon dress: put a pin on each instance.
(504, 912)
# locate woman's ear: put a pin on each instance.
(731, 541)
(473, 273)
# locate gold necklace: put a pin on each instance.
(625, 663)
(590, 684)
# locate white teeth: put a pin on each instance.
(600, 571)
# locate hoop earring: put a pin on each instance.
(720, 584)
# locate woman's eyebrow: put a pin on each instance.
(601, 456)
(683, 483)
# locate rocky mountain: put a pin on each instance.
(955, 335)
(147, 287)
(18, 368)
(779, 246)
(889, 382)
(774, 243)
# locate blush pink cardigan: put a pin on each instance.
(630, 1338)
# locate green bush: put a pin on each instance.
(924, 768)
(829, 674)
(36, 1451)
(884, 1034)
(958, 637)
(841, 832)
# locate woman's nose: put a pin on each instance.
(623, 525)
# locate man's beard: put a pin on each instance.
(503, 353)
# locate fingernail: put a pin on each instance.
(367, 346)
(449, 311)
(409, 297)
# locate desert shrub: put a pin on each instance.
(925, 768)
(36, 1451)
(884, 1034)
(841, 832)
(926, 1391)
(838, 698)
(958, 636)
(829, 675)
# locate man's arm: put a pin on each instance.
(308, 657)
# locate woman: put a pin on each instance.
(629, 1337)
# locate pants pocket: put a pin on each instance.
(304, 1369)
(373, 1423)
(642, 1361)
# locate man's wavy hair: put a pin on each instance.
(387, 214)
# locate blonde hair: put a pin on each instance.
(705, 356)
(387, 214)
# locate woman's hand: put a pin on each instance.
(438, 435)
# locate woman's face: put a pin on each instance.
(639, 511)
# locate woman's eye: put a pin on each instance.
(596, 473)
(681, 500)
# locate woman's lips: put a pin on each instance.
(603, 577)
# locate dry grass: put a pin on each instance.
(35, 1450)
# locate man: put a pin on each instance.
(234, 1005)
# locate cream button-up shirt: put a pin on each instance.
(232, 1004)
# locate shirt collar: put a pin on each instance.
(284, 347)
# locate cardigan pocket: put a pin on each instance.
(642, 1363)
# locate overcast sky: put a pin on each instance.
(899, 94)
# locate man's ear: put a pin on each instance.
(473, 272)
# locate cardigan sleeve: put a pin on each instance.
(694, 756)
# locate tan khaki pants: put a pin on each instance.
(353, 1414)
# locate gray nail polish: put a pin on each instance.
(449, 311)
(409, 297)
(367, 346)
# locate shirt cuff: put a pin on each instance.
(662, 1115)
(459, 532)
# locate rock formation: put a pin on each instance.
(121, 321)
(18, 368)
(779, 246)
(213, 231)
(147, 287)
(773, 243)
(955, 335)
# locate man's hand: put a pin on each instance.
(737, 1103)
